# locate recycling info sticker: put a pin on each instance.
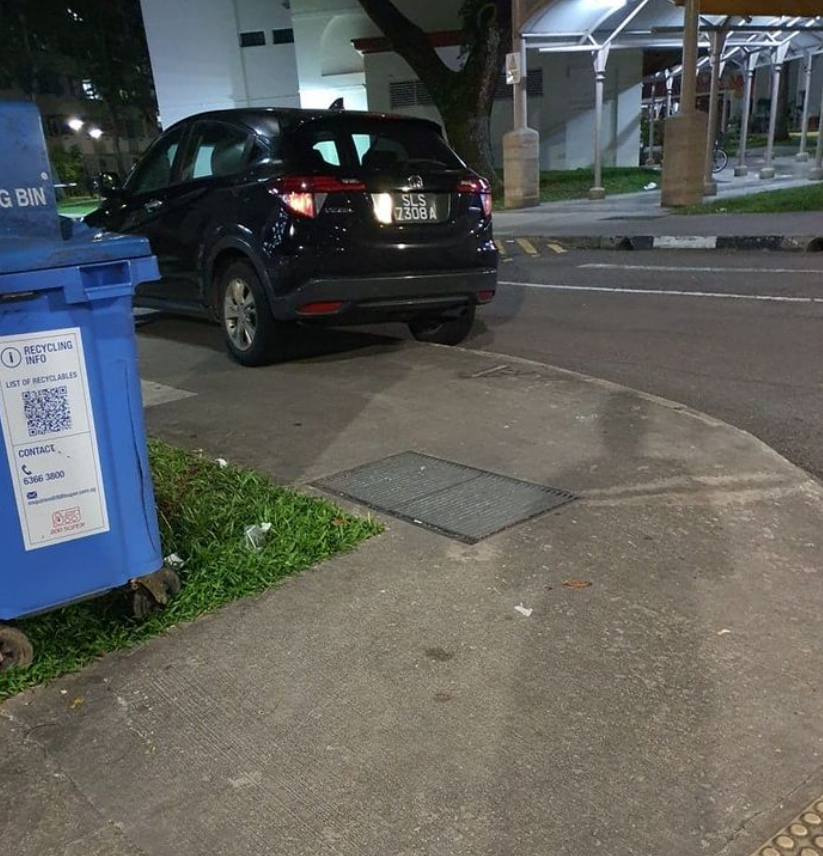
(51, 444)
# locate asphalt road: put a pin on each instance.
(736, 335)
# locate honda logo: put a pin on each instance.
(414, 182)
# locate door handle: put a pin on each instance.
(153, 204)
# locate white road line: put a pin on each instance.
(682, 269)
(659, 292)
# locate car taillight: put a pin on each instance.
(305, 194)
(480, 186)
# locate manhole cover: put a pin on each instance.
(455, 500)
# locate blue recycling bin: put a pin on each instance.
(77, 511)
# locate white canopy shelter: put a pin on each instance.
(598, 27)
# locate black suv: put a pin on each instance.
(267, 217)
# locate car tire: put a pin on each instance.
(252, 335)
(444, 331)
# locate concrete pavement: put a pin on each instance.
(733, 334)
(641, 214)
(393, 701)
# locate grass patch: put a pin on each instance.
(203, 510)
(808, 198)
(78, 205)
(754, 141)
(557, 185)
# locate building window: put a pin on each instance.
(409, 93)
(89, 90)
(282, 37)
(252, 39)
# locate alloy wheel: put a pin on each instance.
(240, 314)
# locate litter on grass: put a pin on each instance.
(525, 611)
(652, 185)
(221, 462)
(175, 562)
(257, 535)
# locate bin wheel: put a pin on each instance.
(153, 591)
(15, 648)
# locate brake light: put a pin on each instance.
(305, 195)
(480, 186)
(325, 307)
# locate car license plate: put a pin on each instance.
(416, 208)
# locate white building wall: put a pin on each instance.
(327, 64)
(198, 63)
(564, 116)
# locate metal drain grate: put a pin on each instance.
(455, 500)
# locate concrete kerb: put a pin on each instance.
(667, 403)
(773, 243)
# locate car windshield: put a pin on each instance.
(371, 145)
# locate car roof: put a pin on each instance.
(268, 121)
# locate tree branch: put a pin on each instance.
(408, 40)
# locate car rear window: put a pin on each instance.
(372, 146)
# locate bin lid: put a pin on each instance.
(81, 245)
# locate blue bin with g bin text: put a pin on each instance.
(77, 513)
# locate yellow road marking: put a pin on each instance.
(556, 248)
(527, 246)
(501, 248)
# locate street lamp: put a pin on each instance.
(95, 133)
(75, 124)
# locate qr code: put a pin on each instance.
(47, 411)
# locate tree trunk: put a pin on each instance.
(117, 136)
(469, 136)
(464, 97)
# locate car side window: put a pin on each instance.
(216, 149)
(327, 149)
(156, 170)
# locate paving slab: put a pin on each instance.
(394, 700)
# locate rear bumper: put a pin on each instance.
(399, 297)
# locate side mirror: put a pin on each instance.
(108, 184)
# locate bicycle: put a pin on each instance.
(720, 159)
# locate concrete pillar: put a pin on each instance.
(688, 74)
(816, 172)
(521, 146)
(803, 155)
(778, 56)
(597, 191)
(718, 39)
(652, 107)
(749, 70)
(685, 135)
